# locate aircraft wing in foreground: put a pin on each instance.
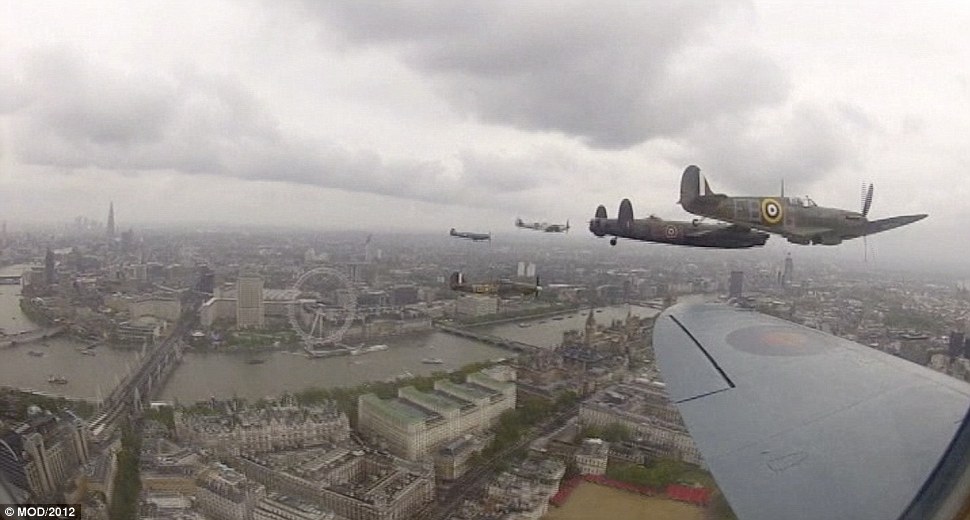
(797, 424)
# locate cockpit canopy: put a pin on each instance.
(806, 202)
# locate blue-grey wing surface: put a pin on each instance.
(798, 424)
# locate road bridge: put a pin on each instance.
(517, 346)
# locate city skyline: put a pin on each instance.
(124, 326)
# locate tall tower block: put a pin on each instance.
(111, 220)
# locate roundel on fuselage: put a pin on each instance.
(771, 211)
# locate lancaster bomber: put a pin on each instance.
(801, 221)
(543, 226)
(501, 288)
(474, 237)
(654, 229)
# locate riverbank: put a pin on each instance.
(15, 402)
(31, 336)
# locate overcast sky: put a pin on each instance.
(433, 114)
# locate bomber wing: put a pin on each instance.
(699, 230)
(798, 424)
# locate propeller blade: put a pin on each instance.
(866, 200)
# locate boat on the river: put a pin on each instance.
(364, 350)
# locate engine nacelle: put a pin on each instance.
(799, 240)
(827, 240)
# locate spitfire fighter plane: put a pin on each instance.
(654, 229)
(543, 226)
(474, 237)
(501, 288)
(801, 221)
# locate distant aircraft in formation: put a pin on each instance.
(747, 221)
(654, 229)
(474, 237)
(801, 221)
(501, 288)
(543, 226)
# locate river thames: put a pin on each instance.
(212, 374)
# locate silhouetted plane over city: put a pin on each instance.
(500, 288)
(799, 220)
(655, 229)
(474, 237)
(543, 226)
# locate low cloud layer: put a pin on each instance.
(614, 74)
(78, 114)
(803, 146)
(615, 88)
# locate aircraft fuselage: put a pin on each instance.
(654, 229)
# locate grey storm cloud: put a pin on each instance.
(76, 114)
(746, 156)
(614, 74)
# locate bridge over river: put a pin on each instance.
(135, 389)
(517, 346)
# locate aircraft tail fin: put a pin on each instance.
(518, 222)
(690, 186)
(567, 225)
(624, 218)
(457, 278)
(452, 232)
(600, 212)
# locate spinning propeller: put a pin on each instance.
(866, 201)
